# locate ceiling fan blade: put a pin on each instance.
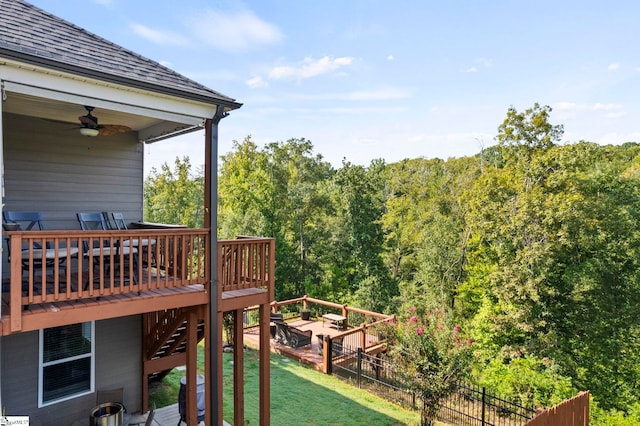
(112, 129)
(89, 121)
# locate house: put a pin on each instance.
(85, 310)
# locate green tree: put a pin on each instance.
(278, 191)
(553, 262)
(175, 195)
(425, 229)
(530, 128)
(359, 193)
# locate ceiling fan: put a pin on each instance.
(90, 127)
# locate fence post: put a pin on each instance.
(484, 394)
(359, 366)
(328, 351)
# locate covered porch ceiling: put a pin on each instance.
(150, 125)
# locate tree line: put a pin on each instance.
(532, 245)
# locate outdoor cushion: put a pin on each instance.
(292, 336)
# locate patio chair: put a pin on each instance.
(110, 395)
(150, 417)
(105, 249)
(275, 317)
(292, 336)
(42, 256)
(145, 246)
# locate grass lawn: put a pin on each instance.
(299, 395)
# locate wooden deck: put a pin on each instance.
(164, 416)
(43, 315)
(50, 295)
(309, 354)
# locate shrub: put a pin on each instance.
(528, 380)
(432, 355)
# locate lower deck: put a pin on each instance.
(311, 355)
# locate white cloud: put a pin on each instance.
(107, 3)
(616, 138)
(310, 68)
(607, 107)
(565, 106)
(485, 62)
(568, 110)
(165, 38)
(612, 111)
(570, 107)
(233, 32)
(482, 62)
(368, 111)
(390, 58)
(364, 95)
(256, 83)
(378, 95)
(614, 115)
(613, 67)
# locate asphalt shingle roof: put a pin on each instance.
(33, 35)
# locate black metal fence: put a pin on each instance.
(468, 405)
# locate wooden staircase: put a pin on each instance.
(166, 337)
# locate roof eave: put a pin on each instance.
(228, 103)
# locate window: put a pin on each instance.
(66, 362)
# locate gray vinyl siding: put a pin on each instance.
(118, 364)
(51, 168)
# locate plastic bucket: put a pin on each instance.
(107, 414)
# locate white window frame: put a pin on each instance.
(42, 365)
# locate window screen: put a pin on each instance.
(66, 360)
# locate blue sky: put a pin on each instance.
(379, 79)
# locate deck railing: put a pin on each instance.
(70, 265)
(245, 263)
(367, 334)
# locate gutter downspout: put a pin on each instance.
(3, 98)
(215, 320)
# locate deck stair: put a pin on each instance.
(167, 336)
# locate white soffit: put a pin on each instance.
(74, 89)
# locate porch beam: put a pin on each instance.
(113, 307)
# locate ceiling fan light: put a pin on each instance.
(88, 131)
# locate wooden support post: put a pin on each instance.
(265, 353)
(238, 368)
(326, 354)
(208, 347)
(16, 284)
(145, 375)
(345, 314)
(192, 367)
(218, 347)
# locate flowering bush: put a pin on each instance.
(432, 355)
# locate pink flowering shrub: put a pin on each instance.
(432, 355)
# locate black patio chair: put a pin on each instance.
(39, 255)
(145, 246)
(105, 250)
(292, 336)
